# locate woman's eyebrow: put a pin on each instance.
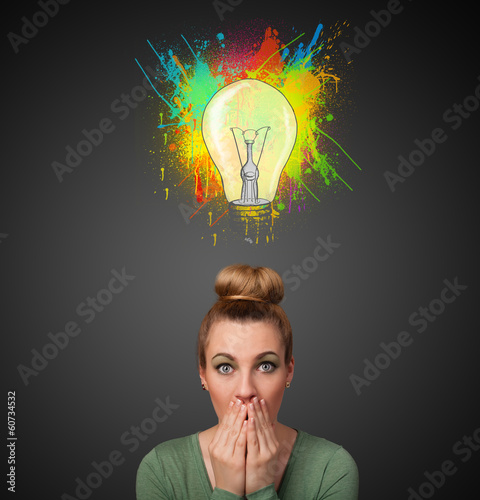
(233, 358)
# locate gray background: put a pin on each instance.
(396, 249)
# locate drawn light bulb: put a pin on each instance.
(249, 129)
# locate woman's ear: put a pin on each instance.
(201, 373)
(290, 369)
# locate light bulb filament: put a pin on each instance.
(249, 171)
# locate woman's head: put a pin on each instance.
(244, 344)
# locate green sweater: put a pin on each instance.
(317, 469)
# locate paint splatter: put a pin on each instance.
(298, 64)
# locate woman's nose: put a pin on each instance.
(246, 390)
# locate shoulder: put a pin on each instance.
(324, 452)
(169, 459)
(326, 467)
(167, 451)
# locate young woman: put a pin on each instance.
(245, 361)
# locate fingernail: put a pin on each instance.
(255, 399)
(230, 404)
(242, 408)
(238, 402)
(251, 406)
(262, 401)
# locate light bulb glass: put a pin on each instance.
(249, 129)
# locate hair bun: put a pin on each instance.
(260, 283)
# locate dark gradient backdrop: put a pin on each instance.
(61, 242)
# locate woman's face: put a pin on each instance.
(244, 361)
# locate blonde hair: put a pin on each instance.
(247, 293)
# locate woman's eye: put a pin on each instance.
(267, 366)
(224, 369)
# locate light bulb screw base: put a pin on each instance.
(251, 221)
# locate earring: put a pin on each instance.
(287, 384)
(204, 387)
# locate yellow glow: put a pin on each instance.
(249, 104)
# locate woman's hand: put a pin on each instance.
(263, 448)
(227, 450)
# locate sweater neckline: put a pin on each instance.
(202, 468)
